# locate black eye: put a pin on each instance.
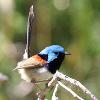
(56, 53)
(44, 56)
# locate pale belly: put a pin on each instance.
(39, 74)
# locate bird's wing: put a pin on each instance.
(32, 62)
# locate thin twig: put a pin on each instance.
(74, 82)
(54, 97)
(66, 88)
(70, 91)
(52, 80)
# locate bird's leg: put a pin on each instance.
(41, 97)
(35, 84)
(47, 88)
(42, 94)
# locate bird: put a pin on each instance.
(43, 65)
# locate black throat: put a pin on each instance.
(54, 65)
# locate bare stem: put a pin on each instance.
(73, 82)
(70, 91)
(54, 97)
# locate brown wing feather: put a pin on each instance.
(32, 62)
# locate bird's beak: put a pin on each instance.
(67, 53)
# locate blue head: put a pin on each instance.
(54, 55)
(52, 52)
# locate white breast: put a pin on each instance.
(36, 74)
(25, 74)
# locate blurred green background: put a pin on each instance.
(74, 24)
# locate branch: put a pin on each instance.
(70, 91)
(73, 82)
(54, 97)
(55, 78)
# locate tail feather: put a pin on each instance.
(16, 68)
